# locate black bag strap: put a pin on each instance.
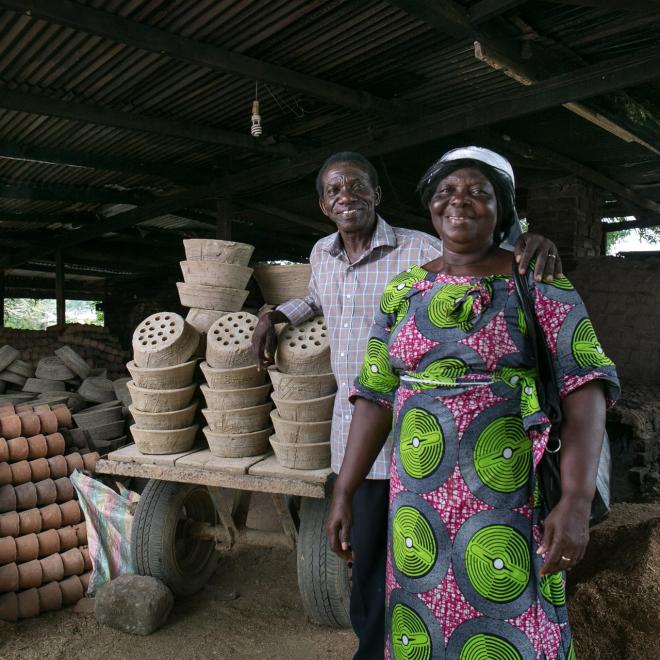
(545, 370)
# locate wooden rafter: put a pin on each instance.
(64, 193)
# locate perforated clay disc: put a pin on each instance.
(229, 340)
(304, 349)
(163, 339)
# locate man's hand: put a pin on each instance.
(548, 262)
(264, 339)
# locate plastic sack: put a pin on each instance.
(109, 518)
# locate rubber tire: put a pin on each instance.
(324, 580)
(153, 536)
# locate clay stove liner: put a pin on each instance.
(240, 420)
(58, 467)
(81, 533)
(27, 547)
(72, 590)
(18, 449)
(68, 538)
(87, 559)
(237, 445)
(229, 341)
(20, 473)
(51, 516)
(30, 575)
(164, 339)
(52, 568)
(104, 432)
(89, 460)
(311, 410)
(300, 432)
(215, 273)
(211, 249)
(241, 398)
(211, 297)
(310, 456)
(50, 597)
(39, 469)
(20, 408)
(73, 361)
(7, 498)
(279, 283)
(5, 474)
(52, 368)
(9, 524)
(177, 419)
(158, 401)
(203, 319)
(30, 521)
(39, 385)
(8, 607)
(165, 378)
(64, 490)
(7, 355)
(46, 492)
(28, 604)
(7, 550)
(26, 496)
(8, 578)
(84, 580)
(48, 421)
(30, 423)
(4, 450)
(97, 390)
(304, 349)
(37, 447)
(49, 542)
(74, 461)
(73, 561)
(152, 441)
(63, 415)
(231, 379)
(291, 387)
(55, 443)
(93, 417)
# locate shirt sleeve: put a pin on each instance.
(299, 310)
(577, 354)
(377, 380)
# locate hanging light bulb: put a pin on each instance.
(256, 130)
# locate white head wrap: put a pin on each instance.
(485, 156)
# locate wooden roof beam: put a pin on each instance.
(589, 81)
(84, 112)
(643, 6)
(43, 219)
(146, 38)
(96, 161)
(484, 10)
(64, 193)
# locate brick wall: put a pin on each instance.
(623, 299)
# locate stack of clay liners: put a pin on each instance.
(236, 393)
(279, 282)
(304, 394)
(162, 387)
(44, 561)
(215, 275)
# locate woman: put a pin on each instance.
(473, 569)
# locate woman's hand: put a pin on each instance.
(338, 525)
(534, 246)
(566, 535)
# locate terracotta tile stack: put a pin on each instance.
(304, 395)
(236, 393)
(162, 387)
(44, 561)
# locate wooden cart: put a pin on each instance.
(195, 503)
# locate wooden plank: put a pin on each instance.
(207, 478)
(64, 193)
(60, 296)
(269, 467)
(205, 460)
(131, 454)
(146, 38)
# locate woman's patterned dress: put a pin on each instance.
(449, 355)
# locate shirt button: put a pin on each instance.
(346, 325)
(343, 384)
(347, 417)
(348, 295)
(350, 268)
(342, 354)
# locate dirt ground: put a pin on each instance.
(251, 609)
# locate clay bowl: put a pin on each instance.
(237, 445)
(49, 542)
(52, 568)
(73, 561)
(105, 431)
(71, 513)
(52, 368)
(63, 415)
(30, 423)
(157, 401)
(231, 379)
(96, 416)
(121, 391)
(39, 469)
(176, 419)
(55, 443)
(51, 517)
(30, 521)
(164, 441)
(6, 476)
(26, 496)
(7, 355)
(27, 603)
(27, 547)
(97, 389)
(72, 590)
(20, 473)
(290, 432)
(64, 490)
(7, 498)
(292, 387)
(37, 447)
(73, 361)
(10, 426)
(9, 523)
(203, 319)
(296, 456)
(50, 597)
(7, 550)
(240, 420)
(229, 341)
(211, 297)
(29, 574)
(8, 607)
(162, 378)
(8, 578)
(215, 273)
(210, 249)
(164, 339)
(279, 283)
(46, 492)
(18, 449)
(67, 537)
(232, 399)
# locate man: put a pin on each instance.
(350, 269)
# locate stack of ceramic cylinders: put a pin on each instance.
(44, 561)
(279, 283)
(162, 388)
(304, 394)
(215, 275)
(236, 393)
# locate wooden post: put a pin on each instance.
(223, 224)
(60, 299)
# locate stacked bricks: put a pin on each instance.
(44, 561)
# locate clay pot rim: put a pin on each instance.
(260, 407)
(274, 415)
(154, 370)
(273, 439)
(159, 431)
(300, 402)
(217, 435)
(206, 388)
(152, 391)
(162, 415)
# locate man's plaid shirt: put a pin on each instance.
(348, 295)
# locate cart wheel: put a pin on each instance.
(162, 543)
(324, 579)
